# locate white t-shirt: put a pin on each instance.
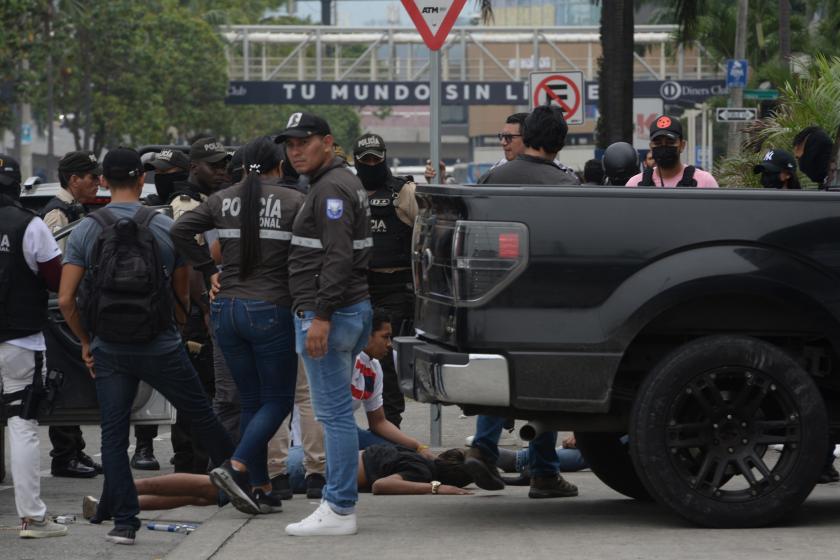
(39, 246)
(366, 383)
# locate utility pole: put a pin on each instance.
(784, 31)
(50, 94)
(736, 95)
(25, 134)
(326, 12)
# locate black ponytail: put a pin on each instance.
(259, 156)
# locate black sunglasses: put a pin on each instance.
(503, 137)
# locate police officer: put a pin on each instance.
(171, 166)
(208, 173)
(78, 174)
(393, 208)
(328, 268)
(30, 263)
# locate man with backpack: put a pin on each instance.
(667, 142)
(78, 175)
(132, 285)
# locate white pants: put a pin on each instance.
(17, 366)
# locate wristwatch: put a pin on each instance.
(435, 486)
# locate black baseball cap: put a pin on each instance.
(167, 159)
(369, 144)
(80, 161)
(208, 149)
(9, 171)
(303, 125)
(664, 125)
(122, 164)
(775, 161)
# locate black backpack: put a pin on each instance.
(126, 296)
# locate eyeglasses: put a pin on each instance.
(507, 138)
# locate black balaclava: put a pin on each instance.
(165, 183)
(816, 156)
(373, 177)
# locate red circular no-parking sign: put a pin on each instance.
(550, 87)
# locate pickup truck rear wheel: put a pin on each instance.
(702, 424)
(609, 458)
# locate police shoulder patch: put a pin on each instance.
(335, 208)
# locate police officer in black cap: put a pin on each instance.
(78, 174)
(208, 173)
(393, 208)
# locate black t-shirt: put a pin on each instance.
(384, 460)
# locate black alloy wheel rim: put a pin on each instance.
(719, 428)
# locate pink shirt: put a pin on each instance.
(704, 179)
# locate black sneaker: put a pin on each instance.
(236, 485)
(484, 473)
(268, 503)
(315, 486)
(551, 487)
(281, 487)
(121, 535)
(144, 460)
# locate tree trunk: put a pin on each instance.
(784, 31)
(615, 79)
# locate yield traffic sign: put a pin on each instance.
(564, 89)
(434, 18)
(736, 114)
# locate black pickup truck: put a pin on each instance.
(702, 323)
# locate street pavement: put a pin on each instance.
(597, 524)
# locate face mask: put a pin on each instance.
(666, 156)
(164, 183)
(372, 176)
(771, 180)
(816, 156)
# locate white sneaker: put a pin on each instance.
(323, 522)
(34, 529)
(469, 440)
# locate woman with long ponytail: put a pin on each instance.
(251, 314)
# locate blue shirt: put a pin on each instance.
(79, 251)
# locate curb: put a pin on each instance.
(210, 537)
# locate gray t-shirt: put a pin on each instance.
(529, 170)
(79, 251)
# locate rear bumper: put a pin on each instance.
(431, 373)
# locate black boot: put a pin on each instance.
(144, 459)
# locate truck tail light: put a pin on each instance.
(486, 257)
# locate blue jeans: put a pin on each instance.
(368, 438)
(329, 383)
(117, 377)
(257, 340)
(542, 459)
(568, 460)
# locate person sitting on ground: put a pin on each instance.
(383, 469)
(366, 387)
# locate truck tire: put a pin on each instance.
(609, 459)
(702, 422)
